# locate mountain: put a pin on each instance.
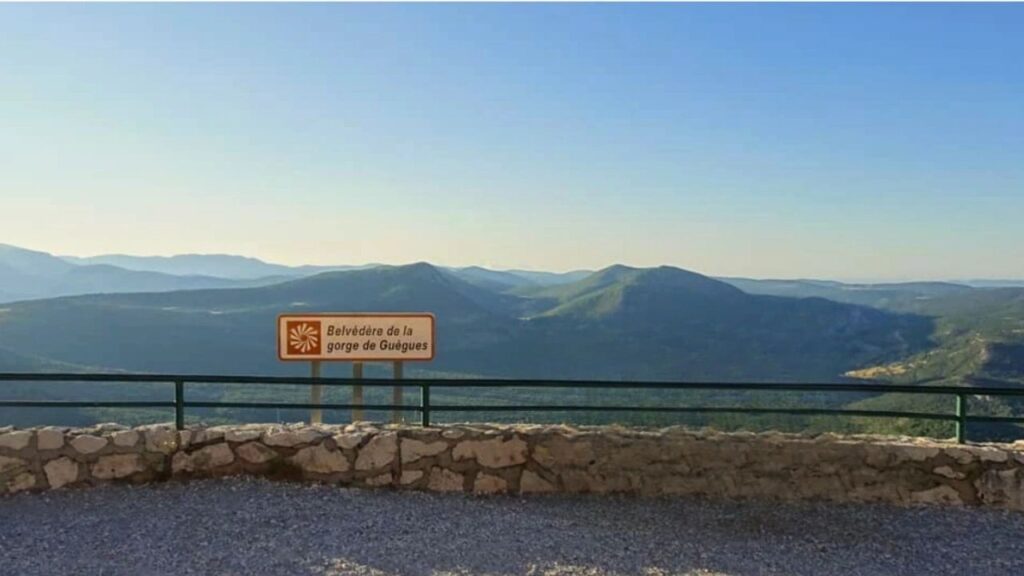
(213, 265)
(28, 274)
(510, 280)
(884, 295)
(662, 323)
(625, 322)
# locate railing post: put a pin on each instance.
(425, 405)
(961, 417)
(179, 404)
(396, 395)
(357, 392)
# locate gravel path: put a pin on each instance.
(254, 527)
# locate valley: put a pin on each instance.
(619, 323)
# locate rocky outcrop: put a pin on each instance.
(524, 459)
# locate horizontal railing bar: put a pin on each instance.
(513, 383)
(1009, 419)
(303, 406)
(508, 408)
(83, 404)
(695, 409)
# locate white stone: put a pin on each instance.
(161, 439)
(204, 459)
(8, 465)
(563, 452)
(255, 453)
(532, 483)
(442, 480)
(381, 480)
(379, 452)
(292, 438)
(21, 482)
(88, 444)
(242, 435)
(453, 433)
(125, 438)
(495, 453)
(938, 495)
(117, 466)
(993, 455)
(318, 459)
(50, 439)
(15, 440)
(488, 484)
(349, 440)
(61, 472)
(413, 450)
(410, 476)
(948, 472)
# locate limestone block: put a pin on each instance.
(494, 453)
(255, 453)
(50, 439)
(379, 452)
(24, 481)
(992, 455)
(442, 480)
(381, 480)
(413, 450)
(242, 434)
(125, 438)
(117, 466)
(939, 495)
(410, 476)
(61, 472)
(15, 440)
(10, 465)
(489, 484)
(350, 440)
(88, 444)
(560, 451)
(161, 439)
(948, 472)
(292, 438)
(319, 460)
(203, 460)
(531, 483)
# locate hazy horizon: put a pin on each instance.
(848, 142)
(851, 279)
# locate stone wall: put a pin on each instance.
(526, 459)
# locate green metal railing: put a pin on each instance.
(426, 408)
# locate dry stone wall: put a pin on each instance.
(523, 459)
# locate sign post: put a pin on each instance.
(356, 338)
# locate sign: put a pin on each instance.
(374, 337)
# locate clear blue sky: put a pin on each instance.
(843, 141)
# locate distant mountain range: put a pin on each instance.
(659, 323)
(29, 274)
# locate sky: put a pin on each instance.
(841, 141)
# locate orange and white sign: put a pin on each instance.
(355, 337)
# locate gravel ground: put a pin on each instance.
(255, 527)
